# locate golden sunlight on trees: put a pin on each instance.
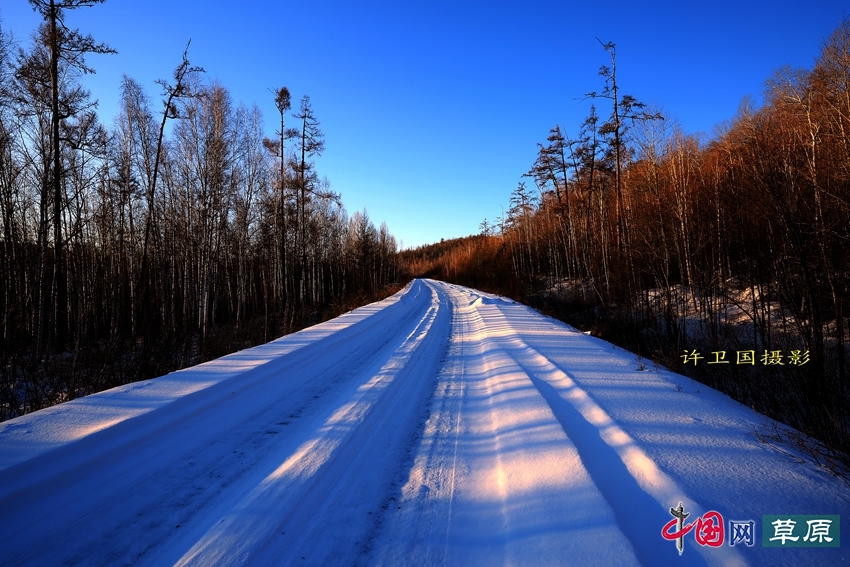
(664, 242)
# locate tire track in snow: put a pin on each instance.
(174, 465)
(539, 474)
(520, 494)
(433, 468)
(323, 482)
(456, 374)
(625, 475)
(489, 430)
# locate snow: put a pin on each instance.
(441, 426)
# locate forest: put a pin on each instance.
(691, 250)
(177, 234)
(180, 231)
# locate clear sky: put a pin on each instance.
(432, 111)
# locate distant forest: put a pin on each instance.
(671, 244)
(177, 234)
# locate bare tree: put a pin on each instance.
(181, 88)
(70, 47)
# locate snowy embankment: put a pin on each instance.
(441, 426)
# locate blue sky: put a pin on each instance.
(432, 111)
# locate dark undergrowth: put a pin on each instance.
(29, 383)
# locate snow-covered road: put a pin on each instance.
(441, 426)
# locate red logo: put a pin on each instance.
(709, 528)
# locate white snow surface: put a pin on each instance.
(441, 426)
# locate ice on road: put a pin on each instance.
(441, 426)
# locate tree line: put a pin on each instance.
(135, 249)
(666, 242)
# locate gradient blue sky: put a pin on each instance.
(432, 110)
